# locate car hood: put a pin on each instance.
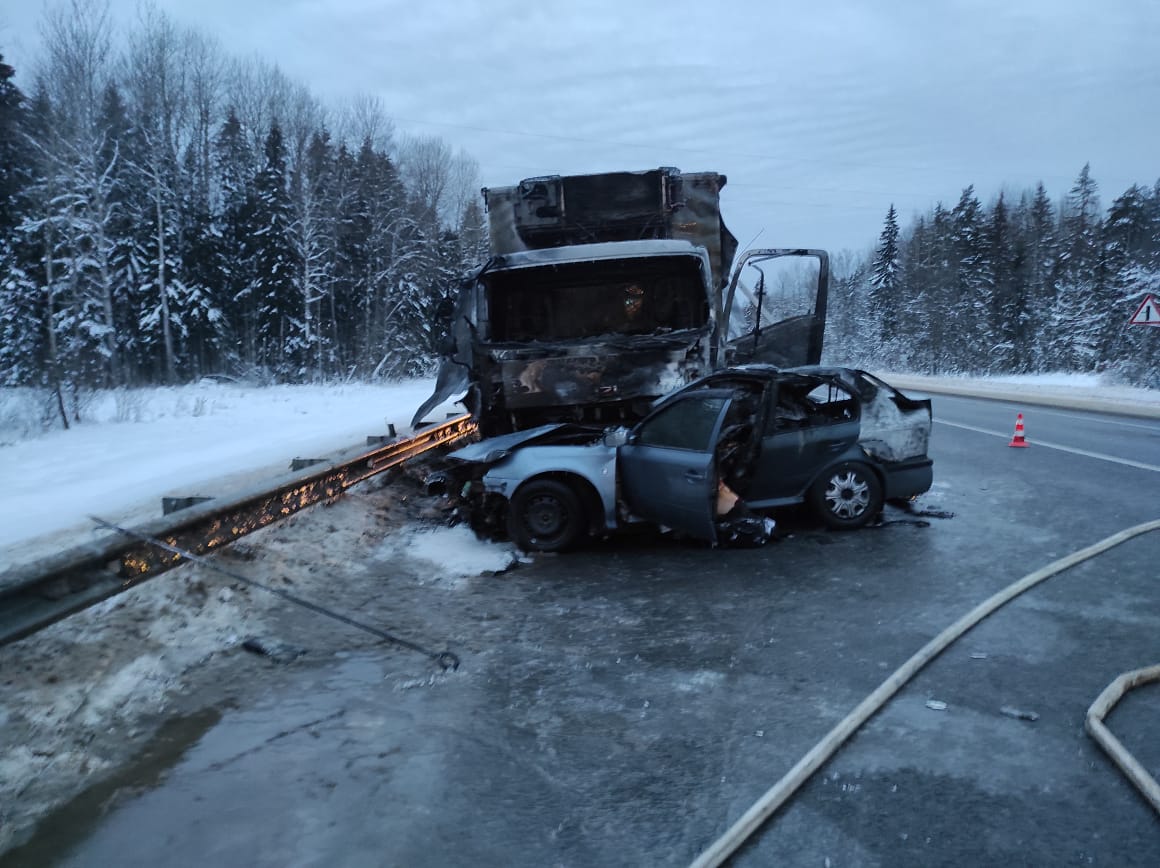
(493, 449)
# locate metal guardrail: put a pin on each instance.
(36, 595)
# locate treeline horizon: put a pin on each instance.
(1019, 286)
(168, 212)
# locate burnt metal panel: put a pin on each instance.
(556, 210)
(562, 381)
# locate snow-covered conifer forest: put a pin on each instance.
(168, 212)
(1021, 285)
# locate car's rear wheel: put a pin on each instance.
(847, 496)
(546, 515)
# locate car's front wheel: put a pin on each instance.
(847, 496)
(546, 515)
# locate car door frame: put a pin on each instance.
(808, 448)
(648, 473)
(751, 347)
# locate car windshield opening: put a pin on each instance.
(570, 301)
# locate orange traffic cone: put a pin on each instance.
(1018, 439)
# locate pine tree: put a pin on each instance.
(915, 287)
(972, 339)
(314, 239)
(849, 338)
(15, 159)
(884, 301)
(1076, 338)
(1129, 278)
(276, 267)
(197, 255)
(21, 346)
(1008, 315)
(232, 208)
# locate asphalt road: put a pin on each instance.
(625, 704)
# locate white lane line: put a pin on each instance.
(1061, 448)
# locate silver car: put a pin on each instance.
(709, 459)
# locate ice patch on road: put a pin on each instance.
(702, 680)
(454, 552)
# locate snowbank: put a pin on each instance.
(135, 446)
(1075, 391)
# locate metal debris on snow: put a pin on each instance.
(936, 705)
(1018, 714)
(278, 652)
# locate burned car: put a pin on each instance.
(732, 444)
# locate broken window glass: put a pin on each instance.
(686, 424)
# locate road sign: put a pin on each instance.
(1148, 313)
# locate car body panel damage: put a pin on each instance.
(707, 458)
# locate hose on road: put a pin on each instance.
(1094, 724)
(779, 793)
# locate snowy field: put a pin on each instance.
(134, 446)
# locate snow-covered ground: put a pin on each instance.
(133, 447)
(1078, 391)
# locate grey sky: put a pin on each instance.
(821, 113)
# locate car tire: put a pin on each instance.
(546, 515)
(847, 496)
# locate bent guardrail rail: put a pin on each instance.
(36, 595)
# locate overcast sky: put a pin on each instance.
(821, 112)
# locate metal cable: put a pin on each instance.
(446, 659)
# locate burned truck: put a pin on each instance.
(605, 292)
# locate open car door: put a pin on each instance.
(668, 467)
(775, 308)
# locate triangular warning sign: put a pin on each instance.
(1148, 313)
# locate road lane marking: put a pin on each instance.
(1101, 456)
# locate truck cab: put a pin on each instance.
(605, 292)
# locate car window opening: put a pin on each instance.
(686, 424)
(589, 299)
(812, 404)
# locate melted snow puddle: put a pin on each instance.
(454, 553)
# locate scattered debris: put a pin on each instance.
(743, 529)
(978, 655)
(278, 652)
(936, 705)
(1018, 714)
(927, 512)
(880, 522)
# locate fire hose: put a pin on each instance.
(780, 793)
